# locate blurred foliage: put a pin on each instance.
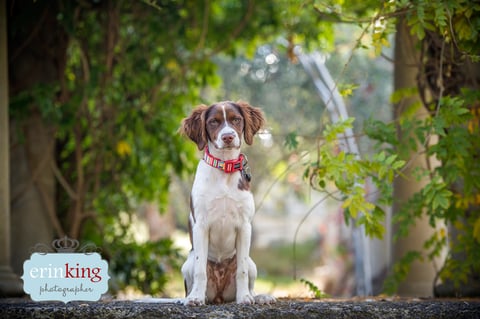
(448, 89)
(451, 195)
(336, 171)
(144, 266)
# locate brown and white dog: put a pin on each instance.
(219, 268)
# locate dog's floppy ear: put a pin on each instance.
(194, 126)
(254, 120)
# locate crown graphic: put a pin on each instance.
(65, 245)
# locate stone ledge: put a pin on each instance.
(285, 308)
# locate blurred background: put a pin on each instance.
(365, 176)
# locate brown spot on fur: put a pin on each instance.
(243, 184)
(221, 275)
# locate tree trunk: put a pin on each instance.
(36, 49)
(33, 189)
(419, 281)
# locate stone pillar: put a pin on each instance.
(10, 284)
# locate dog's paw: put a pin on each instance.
(264, 299)
(245, 299)
(194, 301)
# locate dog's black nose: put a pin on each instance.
(228, 138)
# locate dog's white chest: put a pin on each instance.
(224, 201)
(221, 207)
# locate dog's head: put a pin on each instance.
(223, 124)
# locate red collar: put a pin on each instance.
(229, 166)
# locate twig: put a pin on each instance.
(327, 195)
(62, 181)
(437, 108)
(269, 189)
(77, 208)
(236, 32)
(50, 208)
(203, 35)
(32, 36)
(338, 18)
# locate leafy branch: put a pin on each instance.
(317, 292)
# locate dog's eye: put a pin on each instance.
(236, 120)
(213, 122)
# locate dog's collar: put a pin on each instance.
(229, 166)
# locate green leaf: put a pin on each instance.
(403, 93)
(398, 164)
(476, 230)
(291, 140)
(317, 293)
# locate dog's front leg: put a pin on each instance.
(242, 277)
(197, 294)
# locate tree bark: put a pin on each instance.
(419, 281)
